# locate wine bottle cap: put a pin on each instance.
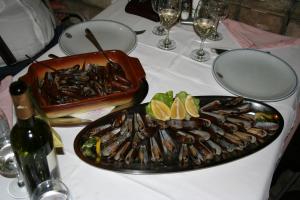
(17, 87)
(21, 100)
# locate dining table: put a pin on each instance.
(247, 178)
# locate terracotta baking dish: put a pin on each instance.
(131, 66)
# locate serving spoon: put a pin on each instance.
(139, 32)
(218, 50)
(40, 63)
(90, 36)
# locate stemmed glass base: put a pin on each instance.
(215, 37)
(16, 190)
(8, 168)
(159, 30)
(7, 161)
(200, 55)
(166, 44)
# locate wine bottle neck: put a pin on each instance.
(23, 106)
(26, 122)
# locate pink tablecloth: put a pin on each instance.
(250, 37)
(5, 99)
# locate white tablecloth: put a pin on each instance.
(248, 178)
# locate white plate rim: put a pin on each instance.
(279, 98)
(96, 21)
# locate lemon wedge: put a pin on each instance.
(160, 110)
(177, 109)
(190, 106)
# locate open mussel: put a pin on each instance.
(183, 157)
(120, 155)
(143, 154)
(217, 150)
(183, 137)
(205, 151)
(156, 154)
(168, 145)
(131, 156)
(111, 149)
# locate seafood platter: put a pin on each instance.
(85, 82)
(173, 134)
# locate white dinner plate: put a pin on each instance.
(255, 74)
(110, 34)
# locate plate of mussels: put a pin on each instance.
(178, 133)
(81, 83)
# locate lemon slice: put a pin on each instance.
(177, 109)
(98, 146)
(190, 106)
(160, 110)
(98, 149)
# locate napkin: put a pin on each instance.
(5, 99)
(94, 114)
(250, 37)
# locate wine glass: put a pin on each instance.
(16, 188)
(203, 25)
(7, 167)
(8, 163)
(159, 29)
(219, 10)
(169, 11)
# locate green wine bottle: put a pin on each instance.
(31, 141)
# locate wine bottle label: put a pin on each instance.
(37, 167)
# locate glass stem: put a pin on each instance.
(216, 27)
(201, 51)
(160, 28)
(167, 39)
(20, 178)
(20, 182)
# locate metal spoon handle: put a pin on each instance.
(40, 63)
(52, 56)
(89, 35)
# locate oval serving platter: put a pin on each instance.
(129, 141)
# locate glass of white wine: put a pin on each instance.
(203, 25)
(159, 29)
(169, 12)
(8, 163)
(219, 9)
